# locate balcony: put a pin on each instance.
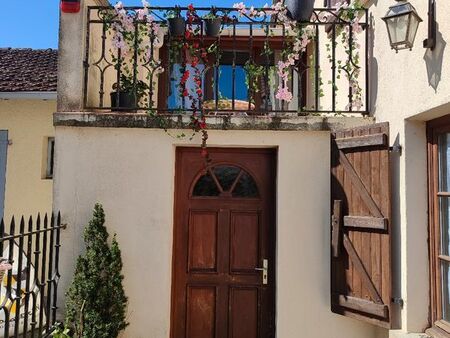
(257, 62)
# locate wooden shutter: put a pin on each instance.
(361, 224)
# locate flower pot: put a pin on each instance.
(126, 100)
(299, 10)
(212, 26)
(177, 26)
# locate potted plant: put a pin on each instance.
(299, 10)
(128, 93)
(253, 74)
(212, 24)
(177, 24)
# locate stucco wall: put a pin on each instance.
(29, 124)
(408, 88)
(131, 172)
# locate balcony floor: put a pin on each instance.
(140, 120)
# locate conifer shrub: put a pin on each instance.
(96, 301)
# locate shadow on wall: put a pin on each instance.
(396, 233)
(434, 59)
(373, 69)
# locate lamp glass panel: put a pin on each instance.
(413, 29)
(398, 28)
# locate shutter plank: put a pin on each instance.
(359, 266)
(362, 305)
(362, 141)
(359, 185)
(365, 222)
(364, 173)
(385, 191)
(356, 236)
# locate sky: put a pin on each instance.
(36, 25)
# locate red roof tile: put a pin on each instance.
(28, 70)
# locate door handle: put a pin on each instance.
(265, 270)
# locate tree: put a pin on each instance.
(96, 301)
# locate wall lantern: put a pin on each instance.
(402, 22)
(70, 6)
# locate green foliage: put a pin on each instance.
(128, 85)
(211, 15)
(96, 302)
(172, 14)
(60, 331)
(253, 73)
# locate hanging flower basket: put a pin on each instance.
(212, 26)
(177, 26)
(299, 10)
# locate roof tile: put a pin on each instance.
(26, 69)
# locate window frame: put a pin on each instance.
(435, 128)
(50, 158)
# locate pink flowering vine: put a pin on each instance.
(349, 12)
(124, 31)
(302, 37)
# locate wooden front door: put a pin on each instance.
(224, 237)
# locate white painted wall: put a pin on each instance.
(131, 172)
(409, 88)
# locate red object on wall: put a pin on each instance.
(70, 6)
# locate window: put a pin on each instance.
(439, 221)
(226, 181)
(50, 157)
(228, 81)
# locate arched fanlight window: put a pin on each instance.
(226, 181)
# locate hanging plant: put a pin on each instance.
(213, 23)
(177, 24)
(351, 66)
(131, 32)
(298, 38)
(253, 73)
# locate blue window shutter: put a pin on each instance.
(3, 152)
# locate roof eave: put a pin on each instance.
(28, 95)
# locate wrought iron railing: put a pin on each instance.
(134, 62)
(29, 288)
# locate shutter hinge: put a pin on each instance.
(398, 301)
(396, 148)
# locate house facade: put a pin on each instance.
(27, 103)
(301, 217)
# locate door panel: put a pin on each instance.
(203, 241)
(244, 312)
(201, 315)
(245, 253)
(224, 230)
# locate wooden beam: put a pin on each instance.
(362, 141)
(366, 222)
(336, 224)
(359, 266)
(361, 305)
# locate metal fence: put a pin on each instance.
(331, 76)
(29, 290)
